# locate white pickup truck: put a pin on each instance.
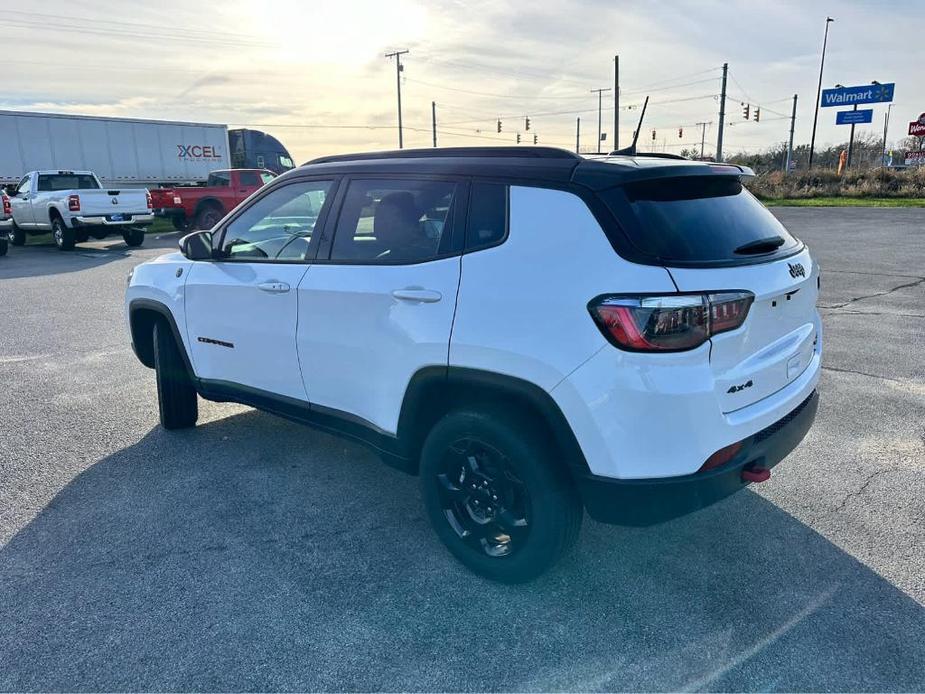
(73, 206)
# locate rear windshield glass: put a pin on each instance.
(697, 219)
(51, 182)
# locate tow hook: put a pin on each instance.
(756, 474)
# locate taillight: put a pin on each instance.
(7, 206)
(177, 200)
(150, 201)
(73, 203)
(669, 323)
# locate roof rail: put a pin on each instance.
(657, 155)
(450, 152)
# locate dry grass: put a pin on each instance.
(825, 183)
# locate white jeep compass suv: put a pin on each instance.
(533, 333)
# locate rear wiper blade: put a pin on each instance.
(760, 245)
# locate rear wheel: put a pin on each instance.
(16, 235)
(176, 397)
(496, 496)
(65, 238)
(134, 237)
(208, 217)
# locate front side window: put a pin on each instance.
(395, 221)
(23, 186)
(250, 178)
(52, 182)
(279, 226)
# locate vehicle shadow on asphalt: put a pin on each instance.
(41, 257)
(251, 553)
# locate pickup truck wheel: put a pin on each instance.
(208, 217)
(134, 237)
(16, 235)
(4, 244)
(64, 237)
(495, 495)
(176, 397)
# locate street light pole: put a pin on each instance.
(886, 125)
(812, 141)
(600, 105)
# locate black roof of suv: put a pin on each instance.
(550, 164)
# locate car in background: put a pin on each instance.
(74, 206)
(201, 207)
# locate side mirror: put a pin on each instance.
(197, 246)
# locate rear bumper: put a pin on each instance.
(102, 221)
(642, 502)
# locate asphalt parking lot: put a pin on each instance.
(252, 553)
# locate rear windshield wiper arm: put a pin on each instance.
(760, 246)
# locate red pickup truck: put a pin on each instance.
(201, 207)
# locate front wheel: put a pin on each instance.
(176, 397)
(496, 496)
(65, 238)
(134, 237)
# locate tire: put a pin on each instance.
(176, 398)
(64, 238)
(16, 235)
(134, 237)
(534, 503)
(4, 244)
(207, 217)
(180, 223)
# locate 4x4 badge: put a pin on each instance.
(733, 389)
(796, 270)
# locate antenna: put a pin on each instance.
(631, 150)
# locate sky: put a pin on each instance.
(314, 73)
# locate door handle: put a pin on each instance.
(426, 296)
(273, 287)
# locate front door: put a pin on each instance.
(241, 310)
(378, 304)
(21, 204)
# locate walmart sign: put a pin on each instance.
(865, 94)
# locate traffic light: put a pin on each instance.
(534, 139)
(518, 138)
(757, 113)
(653, 135)
(746, 110)
(499, 125)
(526, 122)
(680, 133)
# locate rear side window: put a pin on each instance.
(488, 215)
(395, 221)
(219, 180)
(250, 178)
(51, 182)
(695, 219)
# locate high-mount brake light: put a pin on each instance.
(73, 203)
(669, 323)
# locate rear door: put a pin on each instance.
(713, 235)
(241, 311)
(378, 304)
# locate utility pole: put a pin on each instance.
(703, 135)
(812, 140)
(433, 120)
(600, 105)
(886, 125)
(851, 141)
(616, 103)
(578, 135)
(793, 121)
(398, 70)
(722, 115)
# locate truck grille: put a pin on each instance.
(772, 429)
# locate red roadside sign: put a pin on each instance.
(917, 127)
